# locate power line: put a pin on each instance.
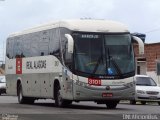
(153, 30)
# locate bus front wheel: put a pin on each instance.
(111, 104)
(59, 101)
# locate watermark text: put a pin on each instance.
(9, 117)
(140, 117)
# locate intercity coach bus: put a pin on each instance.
(72, 60)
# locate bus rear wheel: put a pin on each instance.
(59, 101)
(21, 98)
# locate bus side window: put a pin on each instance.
(54, 44)
(9, 51)
(67, 56)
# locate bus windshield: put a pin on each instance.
(103, 55)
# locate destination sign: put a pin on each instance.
(90, 36)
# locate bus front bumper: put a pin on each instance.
(96, 93)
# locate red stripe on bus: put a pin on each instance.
(18, 65)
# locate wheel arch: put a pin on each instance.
(18, 83)
(55, 85)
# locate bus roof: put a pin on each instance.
(86, 25)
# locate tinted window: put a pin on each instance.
(34, 44)
(145, 81)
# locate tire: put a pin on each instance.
(59, 101)
(132, 102)
(30, 101)
(143, 102)
(22, 99)
(111, 104)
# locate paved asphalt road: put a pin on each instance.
(46, 110)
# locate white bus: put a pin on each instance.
(72, 60)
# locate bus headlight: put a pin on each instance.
(79, 83)
(131, 84)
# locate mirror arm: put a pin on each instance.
(70, 43)
(140, 43)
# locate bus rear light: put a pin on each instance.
(107, 95)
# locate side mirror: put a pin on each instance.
(140, 43)
(70, 43)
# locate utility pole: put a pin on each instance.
(2, 52)
(3, 56)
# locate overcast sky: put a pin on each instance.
(141, 16)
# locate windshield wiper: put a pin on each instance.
(116, 66)
(97, 64)
(110, 58)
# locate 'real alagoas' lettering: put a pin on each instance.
(29, 65)
(40, 64)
